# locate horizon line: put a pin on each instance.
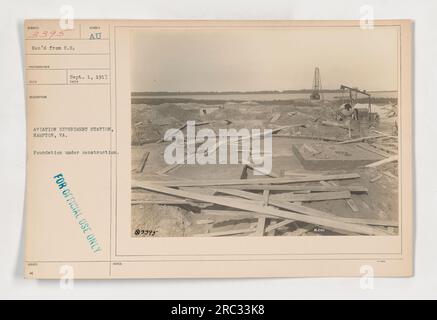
(254, 91)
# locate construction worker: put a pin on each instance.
(347, 112)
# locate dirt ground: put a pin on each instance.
(149, 123)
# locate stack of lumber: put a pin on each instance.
(269, 204)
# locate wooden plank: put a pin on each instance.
(159, 201)
(204, 221)
(282, 204)
(326, 184)
(362, 139)
(390, 175)
(266, 195)
(307, 137)
(372, 222)
(319, 196)
(350, 202)
(164, 199)
(229, 219)
(368, 147)
(312, 178)
(278, 203)
(379, 176)
(237, 214)
(278, 225)
(381, 162)
(329, 188)
(384, 134)
(260, 227)
(257, 181)
(385, 148)
(327, 222)
(248, 214)
(302, 191)
(225, 233)
(143, 161)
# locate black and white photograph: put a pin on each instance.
(259, 132)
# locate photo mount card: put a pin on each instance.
(204, 149)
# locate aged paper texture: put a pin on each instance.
(163, 149)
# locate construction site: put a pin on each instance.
(334, 165)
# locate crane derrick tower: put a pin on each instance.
(317, 85)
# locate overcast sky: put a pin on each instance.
(273, 59)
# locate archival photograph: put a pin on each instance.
(257, 132)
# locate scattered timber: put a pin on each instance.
(241, 204)
(352, 189)
(350, 202)
(295, 136)
(237, 214)
(379, 176)
(390, 175)
(319, 196)
(260, 227)
(225, 233)
(232, 214)
(385, 148)
(381, 162)
(266, 195)
(278, 225)
(280, 204)
(362, 139)
(257, 181)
